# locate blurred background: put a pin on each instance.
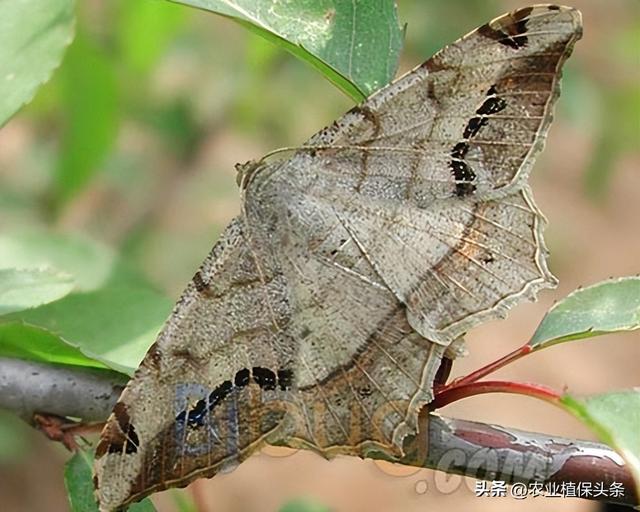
(134, 142)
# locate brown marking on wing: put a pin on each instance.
(511, 31)
(118, 436)
(174, 458)
(372, 118)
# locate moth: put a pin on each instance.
(323, 312)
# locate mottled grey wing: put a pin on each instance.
(471, 119)
(428, 176)
(212, 388)
(362, 372)
(254, 353)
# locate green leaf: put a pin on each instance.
(605, 307)
(78, 477)
(33, 37)
(110, 318)
(616, 419)
(354, 44)
(21, 341)
(27, 288)
(88, 262)
(90, 102)
(115, 324)
(77, 480)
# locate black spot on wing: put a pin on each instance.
(285, 379)
(464, 177)
(491, 33)
(474, 125)
(463, 174)
(492, 104)
(220, 393)
(264, 378)
(197, 415)
(242, 378)
(130, 440)
(460, 150)
(199, 283)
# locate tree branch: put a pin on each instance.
(27, 388)
(478, 450)
(492, 452)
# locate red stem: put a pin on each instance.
(448, 395)
(490, 368)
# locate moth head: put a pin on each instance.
(246, 171)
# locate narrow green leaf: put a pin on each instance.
(616, 419)
(33, 37)
(21, 341)
(605, 307)
(354, 44)
(77, 480)
(27, 288)
(90, 98)
(78, 477)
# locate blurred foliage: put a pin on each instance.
(33, 36)
(26, 288)
(89, 101)
(103, 312)
(304, 505)
(66, 299)
(14, 443)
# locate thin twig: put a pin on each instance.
(447, 395)
(491, 367)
